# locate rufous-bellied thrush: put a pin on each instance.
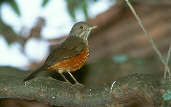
(71, 55)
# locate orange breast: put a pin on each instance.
(73, 63)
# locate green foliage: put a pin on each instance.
(8, 33)
(45, 2)
(84, 8)
(74, 5)
(167, 96)
(6, 30)
(71, 6)
(12, 4)
(121, 58)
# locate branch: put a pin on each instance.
(132, 88)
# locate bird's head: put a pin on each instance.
(82, 30)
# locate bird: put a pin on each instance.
(70, 55)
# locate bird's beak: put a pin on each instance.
(93, 27)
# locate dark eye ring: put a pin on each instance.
(81, 27)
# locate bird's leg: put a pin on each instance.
(63, 77)
(72, 77)
(61, 73)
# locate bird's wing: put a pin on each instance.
(71, 47)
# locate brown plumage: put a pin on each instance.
(73, 63)
(71, 55)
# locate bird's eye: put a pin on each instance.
(81, 27)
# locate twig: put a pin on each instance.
(111, 88)
(167, 70)
(168, 55)
(148, 36)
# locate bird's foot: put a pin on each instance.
(79, 84)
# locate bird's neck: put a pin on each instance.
(79, 39)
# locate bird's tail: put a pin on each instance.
(33, 74)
